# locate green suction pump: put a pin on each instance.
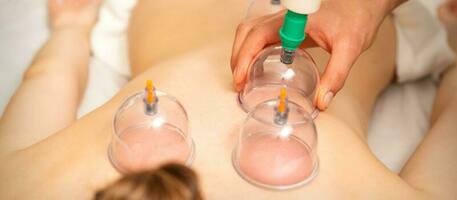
(292, 32)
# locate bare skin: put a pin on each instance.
(53, 85)
(72, 163)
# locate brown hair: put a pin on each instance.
(169, 182)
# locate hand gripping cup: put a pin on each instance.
(267, 75)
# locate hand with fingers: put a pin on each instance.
(343, 28)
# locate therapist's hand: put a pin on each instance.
(343, 28)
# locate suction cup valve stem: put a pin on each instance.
(150, 99)
(275, 2)
(292, 32)
(282, 109)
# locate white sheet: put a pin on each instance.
(109, 69)
(22, 31)
(402, 113)
(400, 119)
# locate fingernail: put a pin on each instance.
(328, 97)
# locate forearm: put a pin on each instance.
(433, 167)
(67, 50)
(49, 95)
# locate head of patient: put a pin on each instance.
(168, 182)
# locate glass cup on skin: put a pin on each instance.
(277, 156)
(142, 141)
(267, 75)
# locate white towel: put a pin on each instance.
(109, 38)
(422, 47)
(109, 69)
(402, 114)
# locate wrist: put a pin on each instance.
(382, 8)
(72, 30)
(389, 5)
(71, 36)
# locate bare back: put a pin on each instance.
(73, 163)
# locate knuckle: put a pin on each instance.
(257, 33)
(259, 30)
(244, 26)
(353, 43)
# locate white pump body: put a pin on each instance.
(302, 6)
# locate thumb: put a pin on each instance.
(342, 58)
